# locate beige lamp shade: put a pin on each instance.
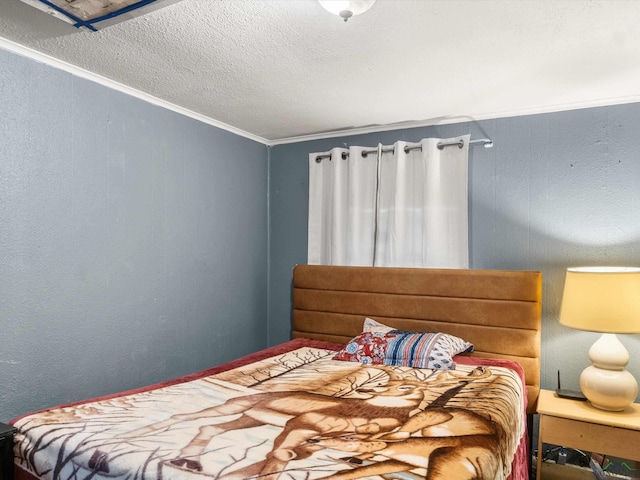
(602, 299)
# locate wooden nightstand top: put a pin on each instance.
(550, 404)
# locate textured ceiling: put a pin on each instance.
(277, 69)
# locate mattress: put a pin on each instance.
(291, 412)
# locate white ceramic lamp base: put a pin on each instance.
(606, 384)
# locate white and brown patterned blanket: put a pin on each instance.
(298, 415)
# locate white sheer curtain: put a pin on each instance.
(407, 207)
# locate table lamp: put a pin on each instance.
(607, 300)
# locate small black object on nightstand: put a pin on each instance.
(6, 451)
(563, 393)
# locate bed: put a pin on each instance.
(295, 411)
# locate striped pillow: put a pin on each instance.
(405, 349)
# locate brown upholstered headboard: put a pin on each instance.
(498, 311)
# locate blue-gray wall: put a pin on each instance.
(556, 190)
(127, 235)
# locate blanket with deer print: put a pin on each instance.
(297, 415)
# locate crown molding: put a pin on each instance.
(605, 102)
(87, 75)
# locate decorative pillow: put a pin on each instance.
(405, 349)
(370, 325)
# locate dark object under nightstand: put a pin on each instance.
(6, 451)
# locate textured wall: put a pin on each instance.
(127, 231)
(556, 190)
(127, 234)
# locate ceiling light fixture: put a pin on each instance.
(347, 8)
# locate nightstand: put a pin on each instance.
(576, 424)
(6, 451)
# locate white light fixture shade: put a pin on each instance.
(347, 8)
(604, 299)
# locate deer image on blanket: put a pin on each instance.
(455, 443)
(302, 416)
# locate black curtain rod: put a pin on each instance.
(486, 142)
